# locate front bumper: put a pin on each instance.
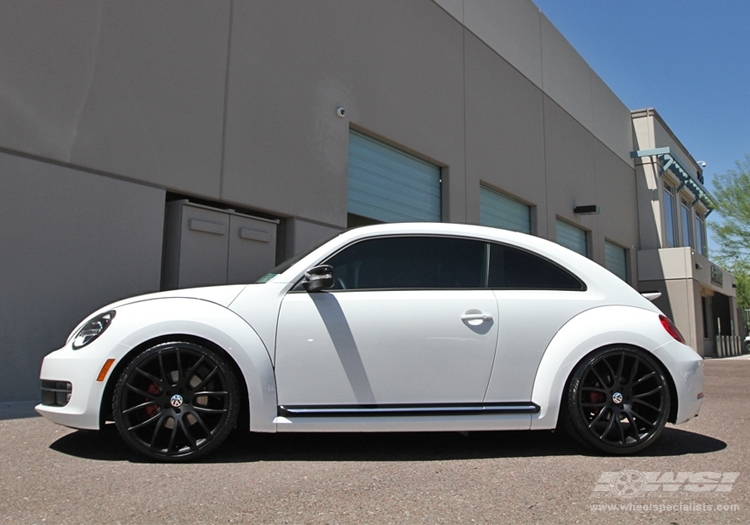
(79, 368)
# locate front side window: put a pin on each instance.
(670, 220)
(394, 263)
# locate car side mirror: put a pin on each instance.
(318, 278)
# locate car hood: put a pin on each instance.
(221, 295)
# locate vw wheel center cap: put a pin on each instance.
(176, 401)
(616, 397)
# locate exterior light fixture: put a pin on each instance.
(591, 209)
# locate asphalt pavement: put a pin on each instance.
(697, 473)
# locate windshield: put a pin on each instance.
(290, 262)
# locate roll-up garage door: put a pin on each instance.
(616, 260)
(500, 211)
(572, 237)
(389, 185)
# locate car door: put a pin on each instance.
(536, 297)
(409, 323)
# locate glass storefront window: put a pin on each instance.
(687, 225)
(700, 235)
(670, 221)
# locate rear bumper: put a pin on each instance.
(687, 370)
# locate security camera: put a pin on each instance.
(340, 112)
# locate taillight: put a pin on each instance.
(671, 328)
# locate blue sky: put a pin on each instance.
(689, 59)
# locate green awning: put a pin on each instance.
(670, 161)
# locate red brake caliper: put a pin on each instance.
(154, 390)
(596, 397)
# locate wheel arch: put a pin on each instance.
(667, 375)
(207, 324)
(586, 333)
(105, 410)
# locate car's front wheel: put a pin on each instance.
(176, 401)
(617, 401)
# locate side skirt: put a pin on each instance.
(406, 418)
(407, 410)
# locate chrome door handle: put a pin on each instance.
(476, 317)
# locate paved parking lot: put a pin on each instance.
(697, 473)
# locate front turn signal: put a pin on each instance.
(105, 369)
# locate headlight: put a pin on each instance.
(92, 329)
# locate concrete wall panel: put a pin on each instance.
(512, 29)
(130, 88)
(568, 81)
(525, 38)
(71, 242)
(47, 57)
(566, 77)
(396, 67)
(672, 263)
(617, 199)
(643, 130)
(571, 177)
(649, 205)
(612, 124)
(155, 106)
(504, 129)
(455, 8)
(302, 234)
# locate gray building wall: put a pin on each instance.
(106, 108)
(71, 242)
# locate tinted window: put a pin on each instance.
(515, 269)
(410, 263)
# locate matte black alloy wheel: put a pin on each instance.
(618, 401)
(176, 401)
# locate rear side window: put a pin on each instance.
(514, 269)
(410, 263)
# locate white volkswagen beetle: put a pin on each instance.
(395, 327)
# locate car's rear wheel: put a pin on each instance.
(617, 401)
(176, 401)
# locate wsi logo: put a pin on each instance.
(630, 483)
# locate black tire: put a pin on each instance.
(176, 401)
(617, 401)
